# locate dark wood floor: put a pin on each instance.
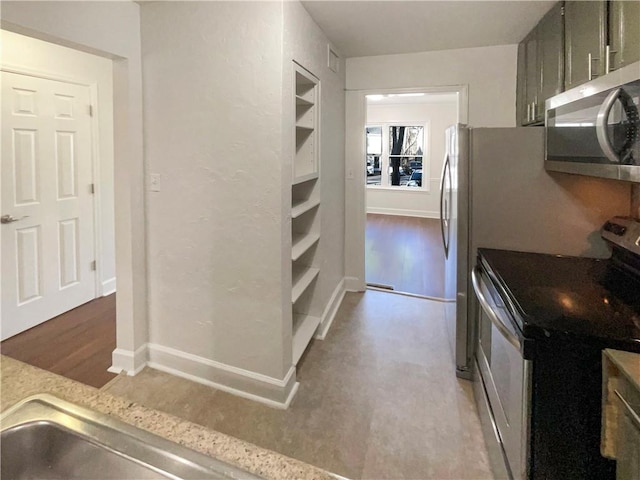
(406, 253)
(77, 344)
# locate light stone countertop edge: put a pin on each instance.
(19, 381)
(628, 363)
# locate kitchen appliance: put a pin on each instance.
(495, 193)
(594, 129)
(543, 323)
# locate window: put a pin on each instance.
(374, 152)
(394, 159)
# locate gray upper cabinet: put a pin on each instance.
(521, 101)
(540, 67)
(533, 74)
(585, 41)
(624, 33)
(576, 41)
(550, 50)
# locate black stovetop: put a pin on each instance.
(573, 296)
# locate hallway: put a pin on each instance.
(378, 398)
(405, 253)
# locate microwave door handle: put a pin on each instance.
(486, 306)
(601, 126)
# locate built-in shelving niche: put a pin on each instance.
(305, 236)
(306, 129)
(305, 212)
(306, 316)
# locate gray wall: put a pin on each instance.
(490, 73)
(212, 93)
(305, 43)
(517, 205)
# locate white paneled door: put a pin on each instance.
(47, 229)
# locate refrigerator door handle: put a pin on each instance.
(442, 219)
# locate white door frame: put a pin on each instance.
(95, 157)
(129, 202)
(355, 194)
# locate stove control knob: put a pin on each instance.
(615, 228)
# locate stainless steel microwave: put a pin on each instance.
(594, 129)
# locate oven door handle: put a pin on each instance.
(486, 306)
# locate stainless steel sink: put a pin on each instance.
(44, 437)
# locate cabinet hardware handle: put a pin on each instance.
(590, 59)
(610, 54)
(607, 59)
(528, 112)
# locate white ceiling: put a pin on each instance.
(363, 28)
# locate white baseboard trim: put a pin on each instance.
(403, 212)
(127, 361)
(330, 311)
(237, 381)
(108, 286)
(354, 284)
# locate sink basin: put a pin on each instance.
(47, 438)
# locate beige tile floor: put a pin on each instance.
(378, 398)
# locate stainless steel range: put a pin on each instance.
(543, 322)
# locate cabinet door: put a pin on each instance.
(550, 36)
(533, 74)
(585, 24)
(624, 32)
(521, 86)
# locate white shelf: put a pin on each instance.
(305, 101)
(305, 116)
(305, 178)
(301, 243)
(304, 328)
(302, 278)
(304, 207)
(304, 123)
(306, 89)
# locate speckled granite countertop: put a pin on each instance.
(19, 381)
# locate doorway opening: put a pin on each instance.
(58, 227)
(404, 152)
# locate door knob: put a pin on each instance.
(10, 218)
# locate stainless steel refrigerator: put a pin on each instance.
(495, 193)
